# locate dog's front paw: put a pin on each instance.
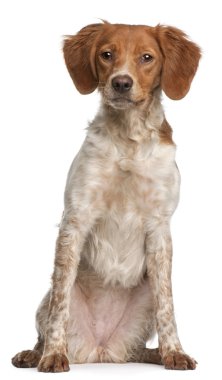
(54, 363)
(178, 360)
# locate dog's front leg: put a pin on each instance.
(159, 262)
(68, 248)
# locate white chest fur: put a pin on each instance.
(136, 191)
(131, 184)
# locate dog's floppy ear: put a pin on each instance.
(181, 57)
(79, 53)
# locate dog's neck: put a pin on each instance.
(134, 123)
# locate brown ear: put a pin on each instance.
(181, 58)
(79, 53)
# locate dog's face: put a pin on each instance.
(127, 63)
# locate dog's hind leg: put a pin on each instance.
(146, 355)
(29, 358)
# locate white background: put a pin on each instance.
(42, 127)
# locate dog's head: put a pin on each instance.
(127, 62)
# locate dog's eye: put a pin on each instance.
(107, 55)
(146, 58)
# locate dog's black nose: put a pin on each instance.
(122, 83)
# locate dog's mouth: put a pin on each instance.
(124, 102)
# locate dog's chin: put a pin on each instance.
(122, 103)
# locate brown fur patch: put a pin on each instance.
(165, 133)
(181, 58)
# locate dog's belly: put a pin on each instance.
(106, 323)
(115, 249)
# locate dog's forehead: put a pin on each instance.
(135, 36)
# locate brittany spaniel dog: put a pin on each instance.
(111, 286)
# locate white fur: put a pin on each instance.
(115, 245)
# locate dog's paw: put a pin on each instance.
(178, 360)
(54, 363)
(26, 359)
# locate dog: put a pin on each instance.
(111, 286)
